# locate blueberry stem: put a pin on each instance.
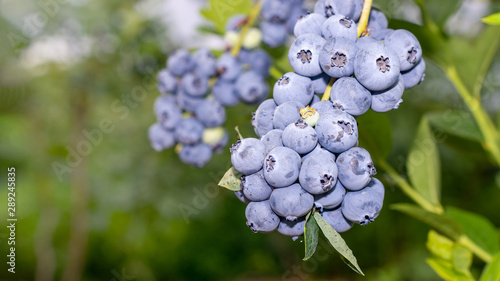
(235, 51)
(363, 20)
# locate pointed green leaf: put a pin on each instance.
(492, 270)
(338, 243)
(445, 270)
(424, 169)
(439, 245)
(462, 259)
(231, 180)
(477, 228)
(375, 134)
(493, 19)
(219, 11)
(456, 123)
(310, 236)
(440, 223)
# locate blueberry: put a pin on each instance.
(337, 57)
(291, 202)
(292, 228)
(406, 46)
(350, 96)
(255, 187)
(415, 75)
(377, 21)
(339, 26)
(348, 8)
(314, 100)
(225, 92)
(167, 112)
(281, 167)
(323, 107)
(167, 82)
(320, 82)
(186, 101)
(309, 23)
(247, 155)
(366, 41)
(318, 150)
(239, 194)
(274, 34)
(251, 87)
(179, 62)
(204, 63)
(160, 138)
(260, 62)
(293, 87)
(195, 85)
(355, 168)
(236, 22)
(211, 113)
(189, 131)
(337, 131)
(228, 67)
(389, 99)
(272, 139)
(376, 67)
(300, 137)
(276, 10)
(286, 113)
(381, 34)
(336, 219)
(303, 54)
(293, 18)
(318, 173)
(260, 217)
(330, 199)
(364, 205)
(197, 155)
(262, 120)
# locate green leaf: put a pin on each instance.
(440, 223)
(477, 228)
(456, 123)
(219, 11)
(439, 245)
(375, 134)
(338, 243)
(441, 11)
(424, 169)
(462, 259)
(446, 271)
(493, 19)
(492, 270)
(310, 236)
(231, 180)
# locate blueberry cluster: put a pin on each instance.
(278, 20)
(195, 89)
(308, 153)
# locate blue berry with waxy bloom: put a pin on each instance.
(406, 46)
(309, 23)
(189, 131)
(300, 137)
(330, 199)
(186, 101)
(389, 99)
(318, 174)
(260, 62)
(286, 113)
(228, 67)
(337, 131)
(225, 92)
(276, 10)
(303, 54)
(414, 76)
(381, 34)
(274, 34)
(167, 112)
(196, 155)
(291, 202)
(337, 57)
(260, 217)
(292, 228)
(167, 83)
(247, 155)
(160, 138)
(336, 219)
(338, 26)
(364, 205)
(293, 87)
(350, 96)
(262, 120)
(239, 194)
(314, 100)
(377, 20)
(294, 16)
(320, 82)
(255, 187)
(281, 167)
(204, 63)
(179, 62)
(251, 87)
(376, 67)
(318, 150)
(323, 107)
(355, 168)
(272, 140)
(211, 113)
(348, 8)
(195, 85)
(366, 41)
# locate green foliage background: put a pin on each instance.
(153, 218)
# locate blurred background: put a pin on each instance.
(95, 202)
